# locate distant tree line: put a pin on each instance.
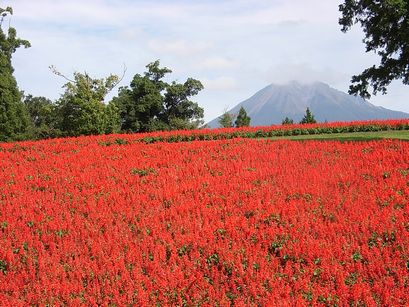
(243, 120)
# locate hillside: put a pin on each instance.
(275, 102)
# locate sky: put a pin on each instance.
(234, 47)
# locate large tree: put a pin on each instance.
(150, 103)
(141, 103)
(81, 109)
(386, 27)
(13, 116)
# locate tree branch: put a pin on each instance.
(120, 79)
(56, 72)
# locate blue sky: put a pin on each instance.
(235, 47)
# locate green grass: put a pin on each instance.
(352, 136)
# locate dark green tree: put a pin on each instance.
(386, 28)
(142, 102)
(226, 120)
(287, 121)
(150, 103)
(44, 117)
(308, 118)
(14, 119)
(81, 108)
(180, 112)
(242, 120)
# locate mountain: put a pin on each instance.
(275, 102)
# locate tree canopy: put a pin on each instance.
(81, 108)
(150, 103)
(13, 116)
(386, 28)
(42, 112)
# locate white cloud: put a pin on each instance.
(95, 12)
(177, 47)
(220, 83)
(302, 72)
(217, 63)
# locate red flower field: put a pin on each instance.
(239, 221)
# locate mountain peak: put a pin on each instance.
(304, 83)
(273, 103)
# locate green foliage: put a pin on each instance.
(242, 120)
(140, 104)
(308, 118)
(385, 24)
(350, 131)
(40, 110)
(150, 103)
(287, 121)
(180, 112)
(81, 109)
(3, 266)
(14, 119)
(226, 120)
(44, 117)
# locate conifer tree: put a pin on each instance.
(287, 121)
(308, 118)
(242, 120)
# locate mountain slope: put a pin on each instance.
(275, 102)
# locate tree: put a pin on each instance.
(81, 108)
(385, 24)
(226, 120)
(43, 114)
(242, 120)
(180, 112)
(287, 121)
(150, 103)
(142, 102)
(13, 117)
(308, 118)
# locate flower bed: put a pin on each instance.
(249, 222)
